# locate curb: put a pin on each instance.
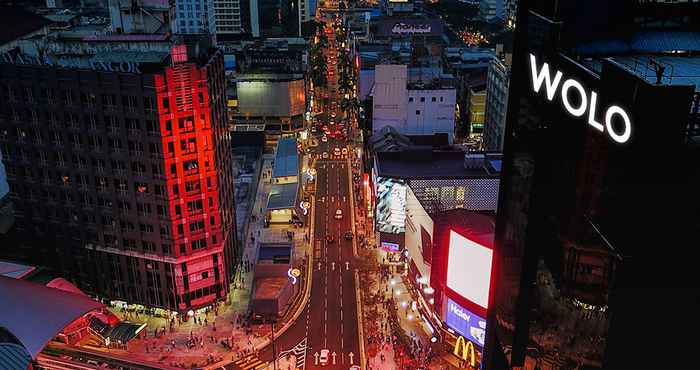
(360, 325)
(300, 308)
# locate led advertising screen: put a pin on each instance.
(465, 323)
(391, 205)
(390, 247)
(469, 269)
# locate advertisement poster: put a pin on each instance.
(466, 323)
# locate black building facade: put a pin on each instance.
(596, 204)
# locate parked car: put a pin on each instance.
(338, 214)
(348, 235)
(330, 238)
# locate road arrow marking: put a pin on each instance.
(333, 266)
(347, 265)
(333, 354)
(351, 355)
(316, 358)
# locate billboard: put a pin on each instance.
(271, 98)
(391, 205)
(465, 322)
(410, 27)
(391, 247)
(469, 269)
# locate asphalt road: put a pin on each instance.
(329, 320)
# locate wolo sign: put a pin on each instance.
(588, 101)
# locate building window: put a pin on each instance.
(410, 99)
(417, 112)
(433, 99)
(441, 99)
(422, 99)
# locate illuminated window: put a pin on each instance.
(459, 197)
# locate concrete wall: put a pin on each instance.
(390, 97)
(437, 112)
(416, 217)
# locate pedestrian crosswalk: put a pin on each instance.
(250, 362)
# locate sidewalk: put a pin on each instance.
(217, 333)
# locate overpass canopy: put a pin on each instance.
(35, 314)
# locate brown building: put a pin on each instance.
(118, 166)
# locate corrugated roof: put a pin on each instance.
(283, 196)
(13, 357)
(35, 314)
(286, 158)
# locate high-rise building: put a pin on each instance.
(118, 166)
(590, 239)
(230, 17)
(275, 18)
(496, 103)
(194, 17)
(492, 11)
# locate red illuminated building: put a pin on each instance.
(119, 170)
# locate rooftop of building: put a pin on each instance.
(269, 287)
(641, 52)
(388, 139)
(286, 158)
(283, 196)
(427, 163)
(83, 44)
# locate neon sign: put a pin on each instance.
(402, 28)
(293, 275)
(588, 102)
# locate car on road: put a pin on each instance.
(338, 214)
(325, 155)
(323, 359)
(336, 152)
(345, 151)
(313, 129)
(330, 238)
(348, 235)
(324, 139)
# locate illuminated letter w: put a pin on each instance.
(543, 75)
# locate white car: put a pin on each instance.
(345, 151)
(324, 138)
(338, 214)
(323, 360)
(325, 155)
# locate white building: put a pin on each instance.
(228, 16)
(412, 107)
(140, 16)
(497, 83)
(492, 11)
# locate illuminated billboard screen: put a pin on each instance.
(469, 269)
(390, 247)
(391, 205)
(465, 322)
